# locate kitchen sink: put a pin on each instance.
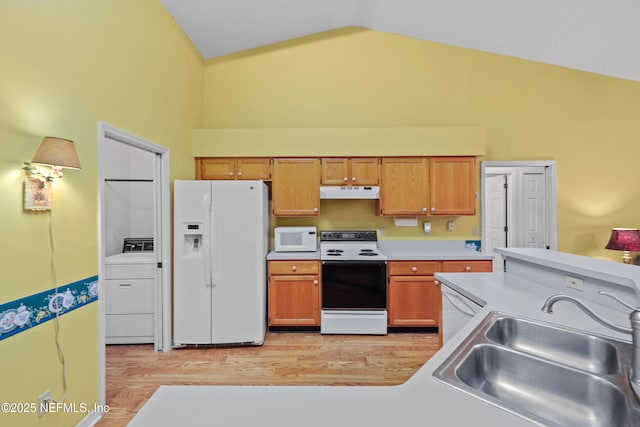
(545, 373)
(583, 351)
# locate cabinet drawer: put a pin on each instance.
(467, 266)
(407, 268)
(293, 267)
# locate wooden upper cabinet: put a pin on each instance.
(253, 168)
(216, 168)
(296, 187)
(233, 168)
(403, 186)
(345, 171)
(365, 171)
(452, 185)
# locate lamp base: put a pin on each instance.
(626, 257)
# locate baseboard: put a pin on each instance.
(91, 419)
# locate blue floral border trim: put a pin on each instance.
(25, 313)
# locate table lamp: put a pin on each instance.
(625, 239)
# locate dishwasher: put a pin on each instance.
(457, 310)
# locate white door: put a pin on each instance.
(535, 229)
(495, 232)
(531, 207)
(192, 276)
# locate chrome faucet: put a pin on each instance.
(634, 330)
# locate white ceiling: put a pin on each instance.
(600, 36)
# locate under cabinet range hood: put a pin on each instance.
(349, 192)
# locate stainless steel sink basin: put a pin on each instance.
(587, 352)
(545, 373)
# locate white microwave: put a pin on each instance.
(295, 239)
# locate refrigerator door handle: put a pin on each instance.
(206, 245)
(212, 249)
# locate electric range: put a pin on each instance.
(354, 283)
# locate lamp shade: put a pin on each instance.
(624, 239)
(57, 152)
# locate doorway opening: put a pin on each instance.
(519, 208)
(143, 190)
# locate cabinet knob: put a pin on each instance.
(294, 268)
(437, 283)
(433, 209)
(353, 178)
(315, 209)
(424, 209)
(467, 268)
(315, 282)
(345, 179)
(239, 173)
(230, 173)
(414, 269)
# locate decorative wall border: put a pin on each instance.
(25, 313)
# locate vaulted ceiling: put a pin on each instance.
(600, 36)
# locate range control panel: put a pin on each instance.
(137, 244)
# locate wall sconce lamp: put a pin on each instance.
(54, 154)
(625, 239)
(57, 153)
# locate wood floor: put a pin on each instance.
(134, 372)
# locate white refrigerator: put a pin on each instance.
(221, 239)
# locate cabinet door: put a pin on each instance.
(414, 301)
(335, 171)
(452, 185)
(217, 168)
(294, 301)
(253, 168)
(365, 171)
(296, 187)
(403, 186)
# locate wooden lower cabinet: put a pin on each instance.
(294, 293)
(413, 301)
(413, 294)
(413, 297)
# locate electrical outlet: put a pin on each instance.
(43, 402)
(451, 226)
(574, 283)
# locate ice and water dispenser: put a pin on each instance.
(192, 232)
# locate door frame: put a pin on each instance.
(501, 167)
(162, 243)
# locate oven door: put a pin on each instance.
(354, 285)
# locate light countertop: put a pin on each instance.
(409, 250)
(421, 401)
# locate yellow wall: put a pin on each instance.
(68, 64)
(356, 78)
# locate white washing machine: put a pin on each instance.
(130, 293)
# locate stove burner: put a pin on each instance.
(368, 254)
(335, 251)
(333, 254)
(366, 250)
